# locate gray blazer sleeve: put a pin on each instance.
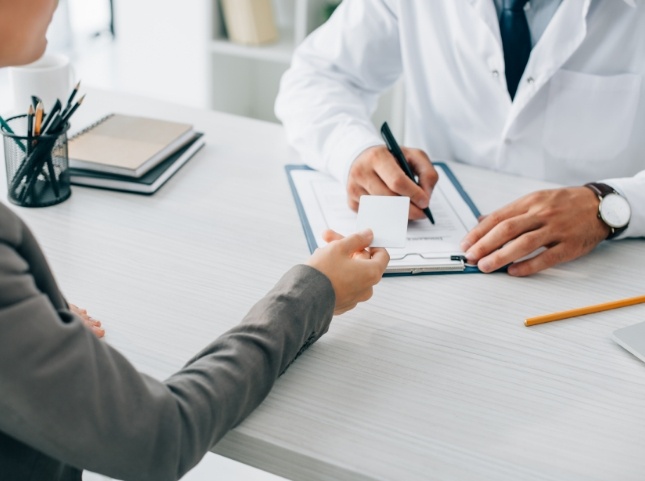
(76, 399)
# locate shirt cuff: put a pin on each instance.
(633, 189)
(345, 145)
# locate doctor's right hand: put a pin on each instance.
(376, 172)
(352, 267)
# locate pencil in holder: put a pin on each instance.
(37, 167)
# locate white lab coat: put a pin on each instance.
(578, 115)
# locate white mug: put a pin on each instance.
(48, 78)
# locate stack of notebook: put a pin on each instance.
(129, 153)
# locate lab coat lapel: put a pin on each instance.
(562, 37)
(486, 11)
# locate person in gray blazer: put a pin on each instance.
(69, 401)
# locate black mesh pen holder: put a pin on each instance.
(37, 166)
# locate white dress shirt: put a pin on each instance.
(578, 114)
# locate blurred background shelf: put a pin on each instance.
(245, 79)
(280, 51)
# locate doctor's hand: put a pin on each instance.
(562, 221)
(376, 172)
(351, 266)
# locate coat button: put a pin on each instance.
(530, 80)
(495, 73)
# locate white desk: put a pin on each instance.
(435, 378)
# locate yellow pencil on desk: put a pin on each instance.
(581, 311)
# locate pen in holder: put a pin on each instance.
(37, 166)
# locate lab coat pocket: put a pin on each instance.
(590, 117)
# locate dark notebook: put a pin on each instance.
(148, 183)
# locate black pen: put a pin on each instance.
(63, 117)
(51, 114)
(35, 101)
(30, 127)
(68, 105)
(397, 153)
(71, 110)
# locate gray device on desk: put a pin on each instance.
(632, 338)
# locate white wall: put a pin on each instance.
(160, 48)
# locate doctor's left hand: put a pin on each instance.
(564, 222)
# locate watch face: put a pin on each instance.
(615, 210)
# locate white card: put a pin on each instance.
(632, 338)
(387, 216)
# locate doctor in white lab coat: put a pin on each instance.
(578, 114)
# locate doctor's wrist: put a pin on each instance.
(594, 221)
(613, 210)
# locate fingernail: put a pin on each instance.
(465, 245)
(366, 233)
(484, 266)
(469, 255)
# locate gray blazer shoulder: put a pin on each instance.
(71, 401)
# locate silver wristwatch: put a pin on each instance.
(614, 210)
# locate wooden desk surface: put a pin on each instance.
(435, 378)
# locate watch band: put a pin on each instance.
(601, 190)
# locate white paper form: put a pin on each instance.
(428, 247)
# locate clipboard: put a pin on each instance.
(321, 204)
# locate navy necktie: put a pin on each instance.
(516, 39)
